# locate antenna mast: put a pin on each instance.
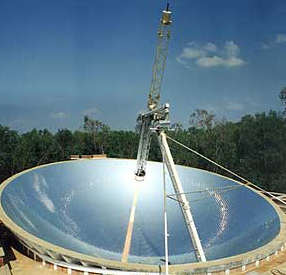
(155, 120)
(150, 119)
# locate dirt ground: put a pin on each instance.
(18, 263)
(279, 263)
(23, 265)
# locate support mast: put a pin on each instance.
(156, 119)
(145, 122)
(181, 197)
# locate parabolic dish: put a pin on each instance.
(84, 207)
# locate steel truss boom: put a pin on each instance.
(156, 120)
(181, 197)
(160, 59)
(145, 120)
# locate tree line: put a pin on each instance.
(253, 147)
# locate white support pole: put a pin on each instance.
(165, 220)
(181, 197)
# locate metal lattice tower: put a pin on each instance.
(156, 120)
(160, 59)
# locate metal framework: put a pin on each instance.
(181, 197)
(160, 59)
(146, 121)
(156, 120)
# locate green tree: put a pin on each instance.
(36, 147)
(202, 119)
(65, 141)
(94, 127)
(9, 140)
(282, 96)
(261, 148)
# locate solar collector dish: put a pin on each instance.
(79, 210)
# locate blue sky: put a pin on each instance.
(62, 59)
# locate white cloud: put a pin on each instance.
(234, 106)
(231, 49)
(266, 46)
(234, 61)
(19, 122)
(190, 52)
(210, 47)
(90, 111)
(204, 56)
(253, 103)
(59, 115)
(280, 38)
(205, 61)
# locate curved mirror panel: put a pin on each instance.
(85, 205)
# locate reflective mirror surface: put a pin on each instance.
(84, 206)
